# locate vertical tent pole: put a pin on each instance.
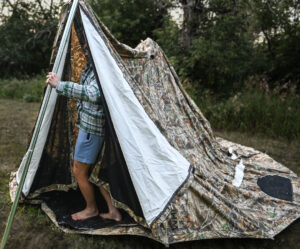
(57, 62)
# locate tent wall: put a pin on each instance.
(157, 170)
(43, 134)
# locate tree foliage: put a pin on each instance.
(223, 42)
(222, 47)
(27, 30)
(220, 44)
(130, 20)
(278, 21)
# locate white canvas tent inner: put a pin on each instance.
(42, 136)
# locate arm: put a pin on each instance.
(70, 89)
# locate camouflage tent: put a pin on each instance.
(165, 170)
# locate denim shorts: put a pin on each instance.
(87, 147)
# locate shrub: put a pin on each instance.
(253, 111)
(28, 89)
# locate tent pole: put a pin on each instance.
(57, 62)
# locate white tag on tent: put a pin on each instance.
(239, 174)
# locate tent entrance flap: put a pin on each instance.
(46, 121)
(157, 170)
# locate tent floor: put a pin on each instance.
(63, 204)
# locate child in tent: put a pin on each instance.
(91, 120)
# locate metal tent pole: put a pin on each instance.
(57, 62)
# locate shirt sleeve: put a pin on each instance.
(70, 89)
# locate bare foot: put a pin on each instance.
(85, 214)
(112, 215)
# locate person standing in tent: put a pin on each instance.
(91, 120)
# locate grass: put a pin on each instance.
(33, 230)
(252, 111)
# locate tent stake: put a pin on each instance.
(58, 58)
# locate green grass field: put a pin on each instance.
(33, 230)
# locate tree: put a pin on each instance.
(278, 21)
(217, 45)
(26, 27)
(223, 42)
(131, 20)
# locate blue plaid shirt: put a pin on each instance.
(91, 117)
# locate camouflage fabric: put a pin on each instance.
(207, 205)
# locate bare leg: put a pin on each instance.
(80, 171)
(113, 212)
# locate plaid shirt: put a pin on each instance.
(91, 117)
